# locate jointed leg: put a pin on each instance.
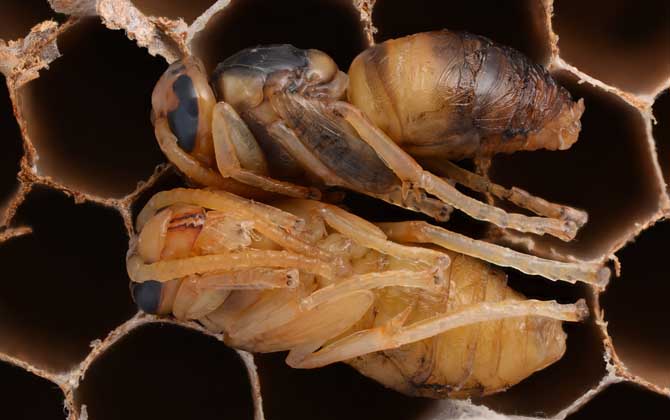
(241, 208)
(289, 141)
(418, 201)
(198, 296)
(166, 270)
(369, 236)
(233, 142)
(408, 170)
(401, 278)
(253, 278)
(279, 226)
(394, 335)
(516, 195)
(424, 232)
(194, 170)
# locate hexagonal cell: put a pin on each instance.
(518, 24)
(332, 26)
(547, 392)
(18, 16)
(636, 306)
(162, 371)
(609, 173)
(66, 283)
(662, 132)
(10, 157)
(89, 114)
(623, 43)
(332, 392)
(187, 10)
(624, 401)
(25, 396)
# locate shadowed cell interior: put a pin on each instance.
(187, 10)
(65, 284)
(332, 26)
(636, 306)
(10, 139)
(624, 43)
(89, 114)
(18, 16)
(624, 401)
(544, 391)
(25, 396)
(333, 392)
(489, 18)
(661, 132)
(609, 172)
(168, 372)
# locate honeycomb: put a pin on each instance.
(79, 160)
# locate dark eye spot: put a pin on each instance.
(183, 120)
(147, 295)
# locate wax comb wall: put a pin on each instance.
(80, 159)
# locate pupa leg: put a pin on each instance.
(369, 236)
(516, 195)
(166, 270)
(592, 273)
(198, 296)
(289, 141)
(370, 281)
(394, 334)
(233, 142)
(196, 171)
(277, 225)
(408, 170)
(418, 202)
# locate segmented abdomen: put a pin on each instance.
(479, 359)
(458, 95)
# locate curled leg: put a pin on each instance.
(195, 170)
(289, 141)
(198, 296)
(516, 195)
(408, 170)
(393, 335)
(253, 278)
(424, 232)
(369, 236)
(277, 225)
(234, 142)
(418, 201)
(400, 278)
(240, 207)
(166, 270)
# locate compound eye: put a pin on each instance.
(184, 98)
(147, 295)
(183, 119)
